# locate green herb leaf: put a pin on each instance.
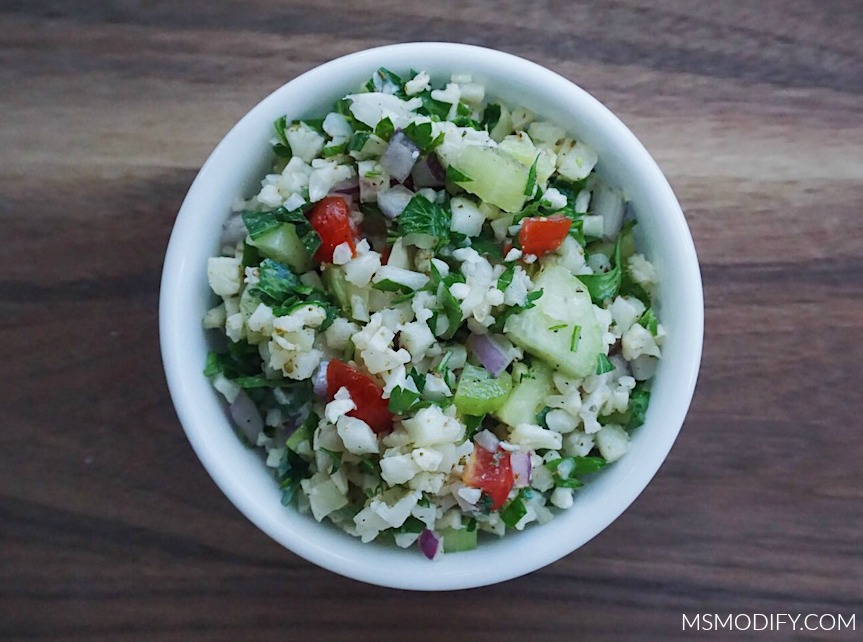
(451, 305)
(385, 128)
(280, 125)
(648, 320)
(556, 327)
(531, 178)
(421, 216)
(603, 364)
(639, 399)
(292, 470)
(606, 286)
(473, 424)
(358, 141)
(278, 283)
(422, 134)
(434, 109)
(387, 285)
(335, 457)
(490, 116)
(505, 279)
(403, 401)
(541, 415)
(334, 150)
(454, 175)
(567, 470)
(513, 512)
(259, 223)
(385, 81)
(576, 335)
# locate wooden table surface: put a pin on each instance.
(110, 529)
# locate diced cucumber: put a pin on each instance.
(300, 435)
(478, 393)
(334, 278)
(531, 385)
(496, 177)
(456, 540)
(561, 328)
(282, 244)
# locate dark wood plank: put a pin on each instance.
(111, 530)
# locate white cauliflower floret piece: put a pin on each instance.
(323, 494)
(625, 311)
(467, 219)
(372, 107)
(325, 175)
(575, 160)
(638, 341)
(357, 435)
(516, 291)
(234, 326)
(294, 179)
(642, 271)
(418, 84)
(416, 338)
(535, 437)
(305, 142)
(224, 275)
(360, 269)
(292, 340)
(430, 426)
(338, 127)
(339, 333)
(339, 406)
(261, 320)
(374, 343)
(612, 442)
(398, 469)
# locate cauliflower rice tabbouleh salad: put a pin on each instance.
(433, 316)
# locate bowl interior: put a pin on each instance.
(235, 169)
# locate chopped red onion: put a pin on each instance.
(400, 156)
(487, 439)
(319, 380)
(234, 230)
(520, 463)
(246, 416)
(430, 544)
(348, 186)
(493, 356)
(423, 176)
(394, 200)
(436, 168)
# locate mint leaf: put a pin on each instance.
(421, 216)
(385, 128)
(278, 283)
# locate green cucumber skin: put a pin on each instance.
(282, 244)
(565, 300)
(478, 393)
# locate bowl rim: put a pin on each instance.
(317, 545)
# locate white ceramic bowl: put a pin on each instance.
(235, 169)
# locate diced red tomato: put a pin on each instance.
(331, 219)
(366, 393)
(490, 471)
(543, 234)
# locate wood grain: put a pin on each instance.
(111, 530)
